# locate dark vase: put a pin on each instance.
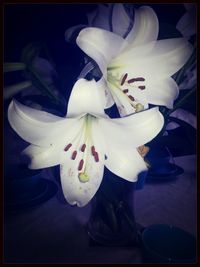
(112, 220)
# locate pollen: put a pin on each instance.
(138, 79)
(96, 157)
(93, 150)
(74, 155)
(131, 98)
(124, 78)
(83, 177)
(80, 166)
(125, 91)
(141, 87)
(67, 147)
(83, 147)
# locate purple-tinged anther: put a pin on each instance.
(138, 79)
(74, 155)
(93, 150)
(124, 78)
(96, 157)
(67, 147)
(141, 87)
(83, 147)
(131, 98)
(80, 166)
(125, 91)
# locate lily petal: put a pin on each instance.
(162, 58)
(86, 97)
(100, 45)
(162, 92)
(39, 127)
(109, 101)
(43, 157)
(133, 130)
(187, 24)
(75, 191)
(125, 162)
(120, 20)
(100, 17)
(145, 28)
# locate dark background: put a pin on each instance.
(25, 23)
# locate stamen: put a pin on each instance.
(124, 79)
(74, 155)
(67, 147)
(83, 147)
(131, 98)
(96, 157)
(139, 79)
(125, 91)
(141, 87)
(80, 166)
(93, 150)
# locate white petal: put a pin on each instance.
(125, 162)
(39, 127)
(120, 20)
(186, 116)
(91, 16)
(157, 59)
(145, 28)
(75, 191)
(134, 130)
(187, 24)
(72, 32)
(86, 97)
(43, 157)
(109, 101)
(172, 125)
(100, 17)
(162, 92)
(100, 45)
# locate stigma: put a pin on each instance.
(83, 177)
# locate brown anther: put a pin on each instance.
(74, 155)
(141, 87)
(67, 147)
(131, 98)
(96, 157)
(138, 79)
(93, 150)
(125, 91)
(124, 78)
(80, 166)
(83, 147)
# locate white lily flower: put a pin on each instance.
(85, 140)
(138, 69)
